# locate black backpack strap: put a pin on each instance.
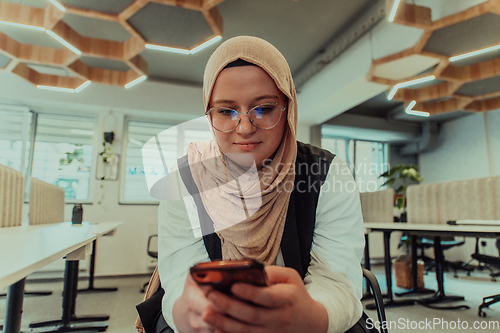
(210, 238)
(150, 309)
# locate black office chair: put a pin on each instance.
(491, 263)
(377, 295)
(446, 243)
(153, 254)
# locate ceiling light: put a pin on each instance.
(206, 44)
(83, 132)
(63, 42)
(58, 5)
(474, 53)
(166, 49)
(394, 9)
(24, 26)
(409, 110)
(66, 90)
(409, 83)
(136, 81)
(136, 142)
(82, 86)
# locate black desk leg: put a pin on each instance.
(414, 273)
(91, 288)
(440, 296)
(390, 302)
(367, 294)
(14, 307)
(68, 306)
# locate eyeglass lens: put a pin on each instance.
(263, 116)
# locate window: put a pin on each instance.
(63, 153)
(366, 159)
(15, 125)
(174, 143)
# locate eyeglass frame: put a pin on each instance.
(241, 113)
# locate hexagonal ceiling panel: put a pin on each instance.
(31, 3)
(426, 84)
(465, 36)
(172, 26)
(96, 28)
(477, 59)
(4, 60)
(403, 68)
(480, 87)
(105, 6)
(51, 70)
(26, 36)
(105, 63)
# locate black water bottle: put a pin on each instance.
(77, 214)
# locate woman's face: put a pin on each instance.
(242, 88)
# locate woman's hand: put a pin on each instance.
(284, 306)
(191, 306)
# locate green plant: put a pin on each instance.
(401, 173)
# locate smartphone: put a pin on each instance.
(222, 274)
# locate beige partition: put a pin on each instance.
(378, 206)
(11, 197)
(46, 203)
(472, 199)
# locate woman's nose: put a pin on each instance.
(245, 126)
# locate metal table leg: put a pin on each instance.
(91, 288)
(389, 302)
(440, 296)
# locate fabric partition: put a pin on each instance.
(378, 206)
(11, 197)
(46, 203)
(472, 199)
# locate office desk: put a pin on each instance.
(26, 249)
(65, 324)
(428, 230)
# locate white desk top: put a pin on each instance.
(436, 229)
(26, 249)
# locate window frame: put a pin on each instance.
(96, 142)
(123, 162)
(351, 160)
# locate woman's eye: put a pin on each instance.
(226, 112)
(264, 109)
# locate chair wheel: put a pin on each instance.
(468, 273)
(482, 314)
(455, 276)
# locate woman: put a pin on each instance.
(290, 218)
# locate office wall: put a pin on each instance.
(467, 148)
(464, 149)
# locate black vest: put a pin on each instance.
(311, 168)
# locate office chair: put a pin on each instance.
(377, 295)
(446, 243)
(152, 254)
(489, 261)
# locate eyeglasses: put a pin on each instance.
(263, 116)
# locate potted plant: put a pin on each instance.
(399, 176)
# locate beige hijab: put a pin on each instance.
(265, 200)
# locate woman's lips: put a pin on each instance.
(247, 146)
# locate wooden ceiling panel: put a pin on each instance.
(471, 85)
(127, 51)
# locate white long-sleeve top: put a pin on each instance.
(334, 276)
